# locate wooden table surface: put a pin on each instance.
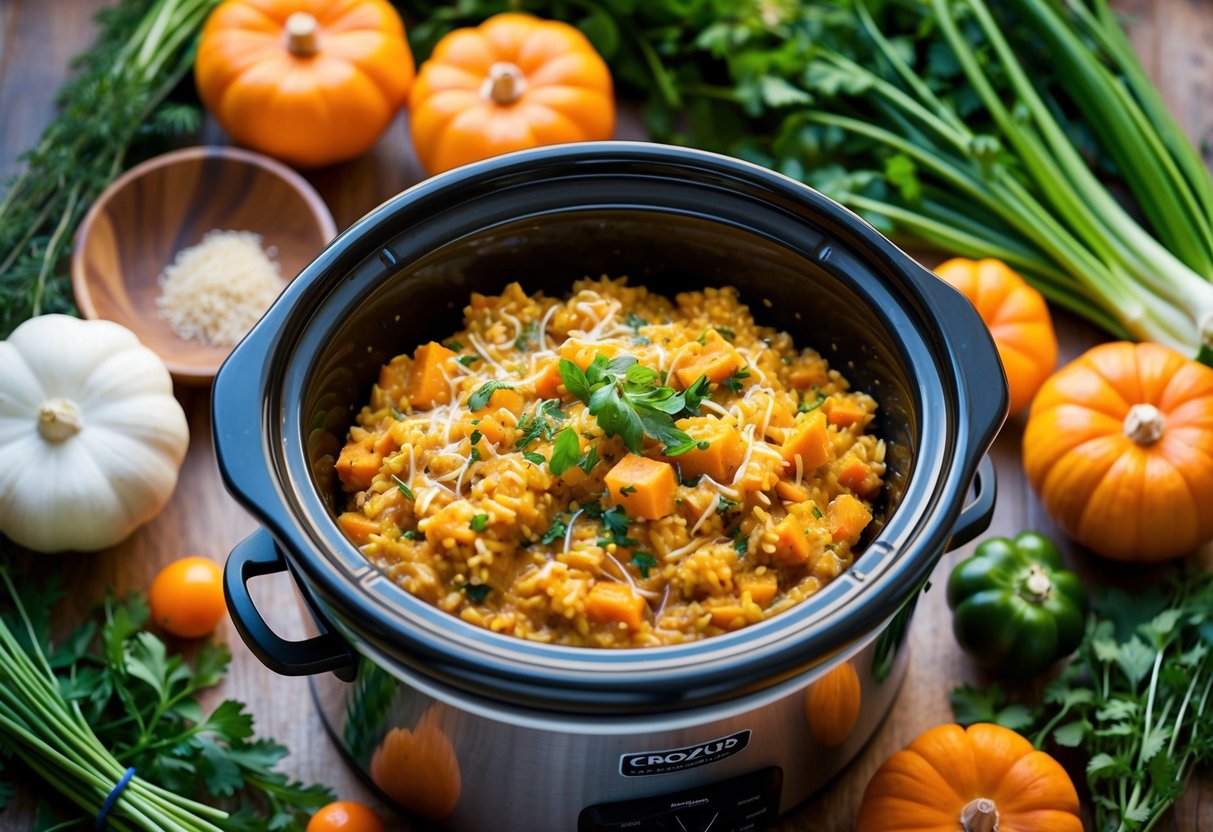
(37, 37)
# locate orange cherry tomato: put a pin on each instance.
(187, 597)
(345, 816)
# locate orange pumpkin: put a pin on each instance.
(980, 779)
(513, 82)
(418, 769)
(310, 81)
(1018, 320)
(832, 705)
(1119, 447)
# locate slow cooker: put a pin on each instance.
(475, 730)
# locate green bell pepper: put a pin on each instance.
(1016, 609)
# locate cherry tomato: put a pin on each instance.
(345, 816)
(187, 597)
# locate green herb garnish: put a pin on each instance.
(453, 345)
(532, 456)
(817, 512)
(404, 489)
(733, 382)
(587, 462)
(644, 562)
(526, 336)
(689, 482)
(557, 530)
(479, 523)
(727, 333)
(474, 456)
(725, 505)
(541, 424)
(614, 521)
(741, 542)
(480, 399)
(476, 592)
(565, 451)
(475, 437)
(410, 534)
(628, 489)
(468, 360)
(807, 407)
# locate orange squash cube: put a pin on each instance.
(791, 543)
(791, 492)
(854, 474)
(810, 441)
(583, 354)
(728, 616)
(358, 464)
(427, 382)
(357, 527)
(762, 588)
(848, 518)
(549, 385)
(394, 378)
(845, 412)
(643, 487)
(611, 603)
(725, 451)
(717, 360)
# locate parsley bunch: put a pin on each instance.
(110, 696)
(1136, 700)
(629, 401)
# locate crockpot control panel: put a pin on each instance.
(743, 804)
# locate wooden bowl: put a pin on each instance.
(139, 223)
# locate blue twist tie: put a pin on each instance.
(112, 798)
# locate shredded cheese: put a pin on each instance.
(215, 291)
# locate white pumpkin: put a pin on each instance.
(91, 438)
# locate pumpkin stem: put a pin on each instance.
(1037, 583)
(980, 815)
(505, 83)
(301, 30)
(59, 420)
(1144, 424)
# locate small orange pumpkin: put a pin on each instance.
(1119, 447)
(1018, 320)
(832, 705)
(513, 82)
(418, 769)
(309, 81)
(980, 779)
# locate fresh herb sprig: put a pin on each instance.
(119, 96)
(1135, 699)
(629, 401)
(111, 696)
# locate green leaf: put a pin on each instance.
(565, 452)
(556, 530)
(229, 721)
(639, 374)
(404, 489)
(480, 399)
(1135, 659)
(575, 380)
(587, 462)
(1071, 734)
(971, 705)
(476, 592)
(694, 395)
(808, 407)
(644, 562)
(468, 360)
(1102, 765)
(479, 522)
(1015, 717)
(531, 456)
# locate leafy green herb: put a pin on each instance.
(734, 382)
(587, 462)
(614, 521)
(634, 322)
(468, 360)
(689, 482)
(410, 534)
(817, 512)
(644, 562)
(474, 456)
(628, 489)
(479, 523)
(727, 333)
(476, 437)
(556, 530)
(694, 395)
(453, 345)
(808, 407)
(404, 489)
(541, 424)
(565, 451)
(476, 592)
(741, 542)
(531, 456)
(703, 337)
(1135, 699)
(725, 505)
(480, 399)
(526, 336)
(111, 696)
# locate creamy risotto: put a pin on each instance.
(614, 469)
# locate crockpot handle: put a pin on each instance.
(258, 555)
(975, 518)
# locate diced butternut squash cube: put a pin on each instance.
(803, 378)
(848, 518)
(643, 486)
(583, 354)
(610, 603)
(810, 441)
(717, 360)
(725, 451)
(358, 464)
(453, 522)
(357, 527)
(503, 398)
(853, 473)
(427, 380)
(494, 430)
(845, 412)
(791, 492)
(728, 616)
(394, 377)
(762, 588)
(791, 543)
(549, 385)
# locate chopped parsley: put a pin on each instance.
(476, 437)
(479, 523)
(565, 452)
(726, 332)
(411, 534)
(634, 322)
(476, 592)
(817, 512)
(587, 462)
(807, 407)
(531, 456)
(541, 424)
(404, 489)
(614, 521)
(703, 337)
(560, 525)
(725, 504)
(474, 456)
(741, 542)
(733, 382)
(644, 562)
(468, 360)
(453, 345)
(526, 336)
(480, 399)
(689, 482)
(628, 489)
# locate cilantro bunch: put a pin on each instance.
(109, 697)
(630, 401)
(1136, 700)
